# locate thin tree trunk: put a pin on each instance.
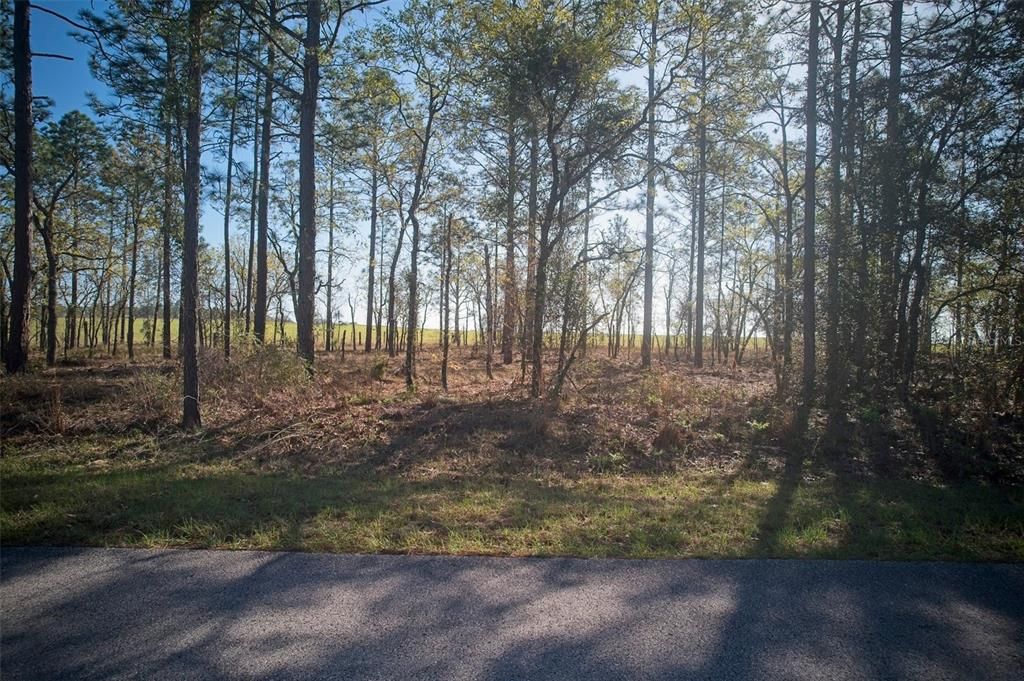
(702, 185)
(51, 292)
(392, 341)
(531, 242)
(489, 310)
(834, 372)
(166, 234)
(227, 200)
(190, 243)
(263, 215)
(372, 265)
(329, 321)
(508, 328)
(648, 323)
(446, 283)
(254, 201)
(131, 285)
(809, 206)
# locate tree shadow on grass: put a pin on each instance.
(499, 436)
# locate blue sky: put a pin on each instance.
(64, 82)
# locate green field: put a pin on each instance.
(430, 336)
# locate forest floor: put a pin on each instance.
(668, 463)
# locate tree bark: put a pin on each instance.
(190, 243)
(227, 200)
(489, 311)
(809, 205)
(307, 185)
(131, 284)
(702, 187)
(446, 284)
(835, 378)
(329, 321)
(372, 265)
(263, 217)
(254, 200)
(890, 197)
(648, 324)
(508, 324)
(17, 348)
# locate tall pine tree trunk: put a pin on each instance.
(307, 185)
(254, 200)
(329, 321)
(508, 322)
(17, 349)
(809, 205)
(648, 324)
(190, 243)
(263, 209)
(835, 374)
(131, 284)
(702, 190)
(372, 265)
(227, 200)
(891, 230)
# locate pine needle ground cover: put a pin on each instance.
(667, 463)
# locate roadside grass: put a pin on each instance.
(674, 463)
(226, 505)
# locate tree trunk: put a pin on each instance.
(809, 205)
(307, 185)
(835, 375)
(168, 219)
(190, 243)
(446, 285)
(508, 323)
(329, 321)
(690, 266)
(890, 232)
(51, 292)
(166, 234)
(531, 242)
(263, 214)
(372, 265)
(648, 325)
(392, 341)
(254, 200)
(702, 186)
(227, 200)
(17, 348)
(131, 285)
(489, 311)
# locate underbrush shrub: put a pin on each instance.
(265, 375)
(151, 398)
(673, 438)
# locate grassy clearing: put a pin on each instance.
(668, 464)
(214, 505)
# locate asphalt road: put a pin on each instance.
(113, 613)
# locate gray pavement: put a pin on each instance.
(120, 613)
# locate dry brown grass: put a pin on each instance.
(261, 409)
